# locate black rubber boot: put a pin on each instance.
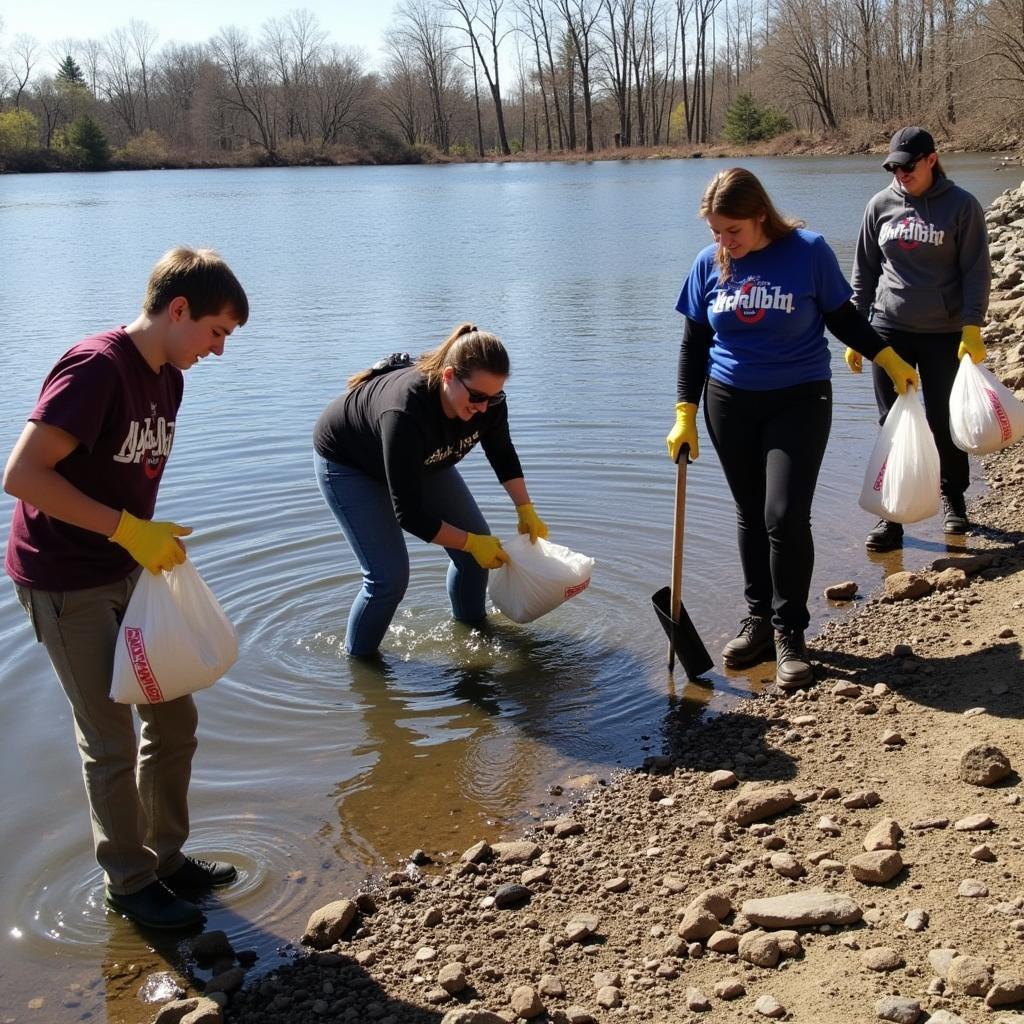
(752, 644)
(885, 536)
(793, 667)
(954, 514)
(196, 875)
(156, 906)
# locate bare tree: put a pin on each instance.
(580, 17)
(293, 47)
(119, 80)
(143, 38)
(338, 93)
(537, 14)
(1003, 26)
(24, 55)
(179, 72)
(616, 28)
(803, 56)
(250, 85)
(489, 28)
(420, 30)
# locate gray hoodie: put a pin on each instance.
(922, 263)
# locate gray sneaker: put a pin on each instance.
(752, 644)
(793, 667)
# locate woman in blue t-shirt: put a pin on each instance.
(756, 304)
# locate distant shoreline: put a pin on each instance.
(790, 144)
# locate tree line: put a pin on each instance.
(469, 78)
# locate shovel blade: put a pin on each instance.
(682, 635)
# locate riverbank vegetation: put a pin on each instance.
(514, 79)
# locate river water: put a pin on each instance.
(313, 772)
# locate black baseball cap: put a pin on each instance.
(908, 145)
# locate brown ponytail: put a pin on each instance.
(737, 194)
(466, 349)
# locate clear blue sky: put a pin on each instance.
(348, 22)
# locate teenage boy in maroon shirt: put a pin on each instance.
(86, 471)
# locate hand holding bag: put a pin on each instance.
(902, 479)
(538, 578)
(984, 415)
(174, 639)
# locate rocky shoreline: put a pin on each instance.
(849, 851)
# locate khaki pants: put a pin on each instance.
(137, 791)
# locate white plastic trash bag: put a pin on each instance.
(984, 415)
(174, 639)
(902, 480)
(538, 578)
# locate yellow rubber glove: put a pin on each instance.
(854, 360)
(900, 372)
(971, 345)
(153, 545)
(531, 523)
(684, 432)
(486, 550)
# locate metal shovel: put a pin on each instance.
(683, 641)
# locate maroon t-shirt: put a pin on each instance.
(105, 394)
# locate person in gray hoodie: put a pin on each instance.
(922, 275)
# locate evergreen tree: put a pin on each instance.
(70, 72)
(747, 121)
(86, 137)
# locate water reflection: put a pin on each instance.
(458, 750)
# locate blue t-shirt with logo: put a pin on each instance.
(768, 318)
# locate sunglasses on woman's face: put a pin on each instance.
(479, 397)
(905, 168)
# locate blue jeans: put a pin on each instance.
(364, 511)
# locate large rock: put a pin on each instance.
(885, 835)
(452, 978)
(970, 564)
(227, 981)
(907, 586)
(326, 925)
(1005, 991)
(196, 1010)
(516, 853)
(581, 926)
(811, 908)
(940, 959)
(766, 949)
(969, 975)
(760, 804)
(876, 868)
(211, 946)
(717, 902)
(768, 1006)
(526, 1003)
(697, 924)
(899, 1011)
(477, 853)
(881, 959)
(984, 765)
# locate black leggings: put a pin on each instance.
(771, 444)
(934, 356)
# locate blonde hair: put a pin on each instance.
(466, 349)
(739, 195)
(201, 277)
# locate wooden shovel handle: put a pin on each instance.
(679, 517)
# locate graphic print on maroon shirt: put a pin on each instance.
(105, 394)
